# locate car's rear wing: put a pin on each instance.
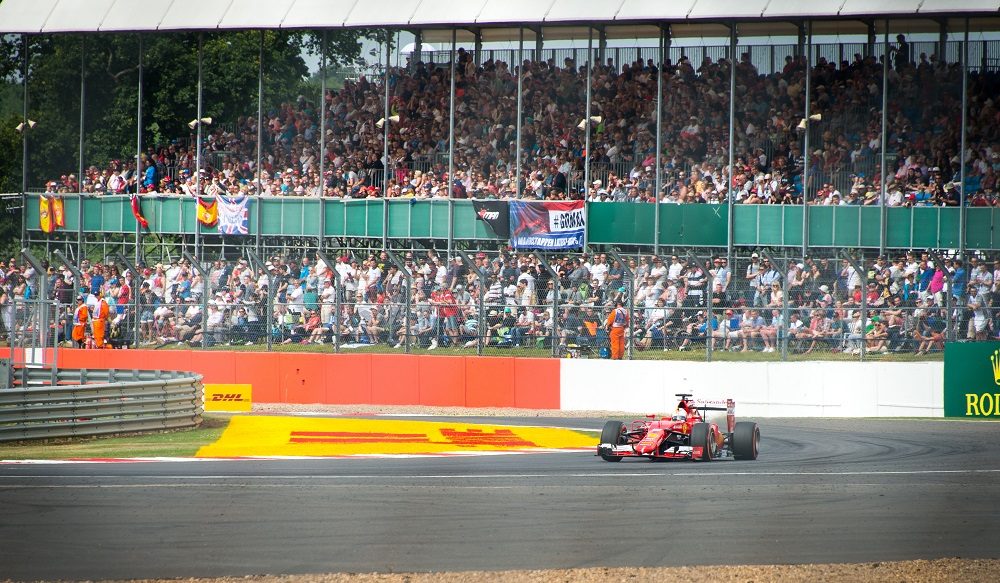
(711, 409)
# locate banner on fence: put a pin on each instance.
(547, 225)
(972, 379)
(208, 211)
(234, 217)
(496, 215)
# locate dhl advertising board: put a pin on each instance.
(972, 380)
(227, 397)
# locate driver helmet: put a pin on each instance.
(680, 414)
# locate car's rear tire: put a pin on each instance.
(701, 435)
(613, 433)
(746, 440)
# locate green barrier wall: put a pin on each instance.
(700, 225)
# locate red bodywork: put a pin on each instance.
(668, 438)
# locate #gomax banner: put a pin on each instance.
(547, 225)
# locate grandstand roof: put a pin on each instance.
(624, 18)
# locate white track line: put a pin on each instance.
(501, 476)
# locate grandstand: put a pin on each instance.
(863, 174)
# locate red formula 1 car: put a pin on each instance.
(691, 433)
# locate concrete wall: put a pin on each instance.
(764, 389)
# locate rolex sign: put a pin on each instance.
(972, 379)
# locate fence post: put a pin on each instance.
(859, 269)
(406, 305)
(555, 301)
(136, 284)
(949, 332)
(629, 280)
(206, 291)
(269, 307)
(337, 290)
(481, 277)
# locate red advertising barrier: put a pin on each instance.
(374, 379)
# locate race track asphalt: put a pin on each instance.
(822, 491)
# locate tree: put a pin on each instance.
(170, 64)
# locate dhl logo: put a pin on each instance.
(228, 397)
(449, 436)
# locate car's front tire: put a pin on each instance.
(613, 433)
(701, 435)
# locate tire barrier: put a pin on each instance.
(98, 402)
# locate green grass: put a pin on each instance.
(175, 443)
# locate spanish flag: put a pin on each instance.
(208, 211)
(45, 220)
(137, 212)
(58, 212)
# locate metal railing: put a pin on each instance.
(99, 402)
(776, 305)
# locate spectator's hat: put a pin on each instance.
(754, 256)
(824, 288)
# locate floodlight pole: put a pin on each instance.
(481, 276)
(451, 147)
(197, 177)
(385, 149)
(25, 128)
(337, 290)
(258, 206)
(79, 176)
(732, 141)
(322, 144)
(586, 125)
(659, 145)
(962, 227)
(138, 160)
(83, 101)
(883, 144)
(805, 157)
(520, 113)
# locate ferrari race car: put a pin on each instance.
(691, 433)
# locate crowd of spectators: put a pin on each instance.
(900, 303)
(923, 136)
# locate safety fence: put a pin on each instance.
(86, 402)
(613, 223)
(683, 305)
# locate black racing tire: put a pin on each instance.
(613, 433)
(701, 434)
(746, 440)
